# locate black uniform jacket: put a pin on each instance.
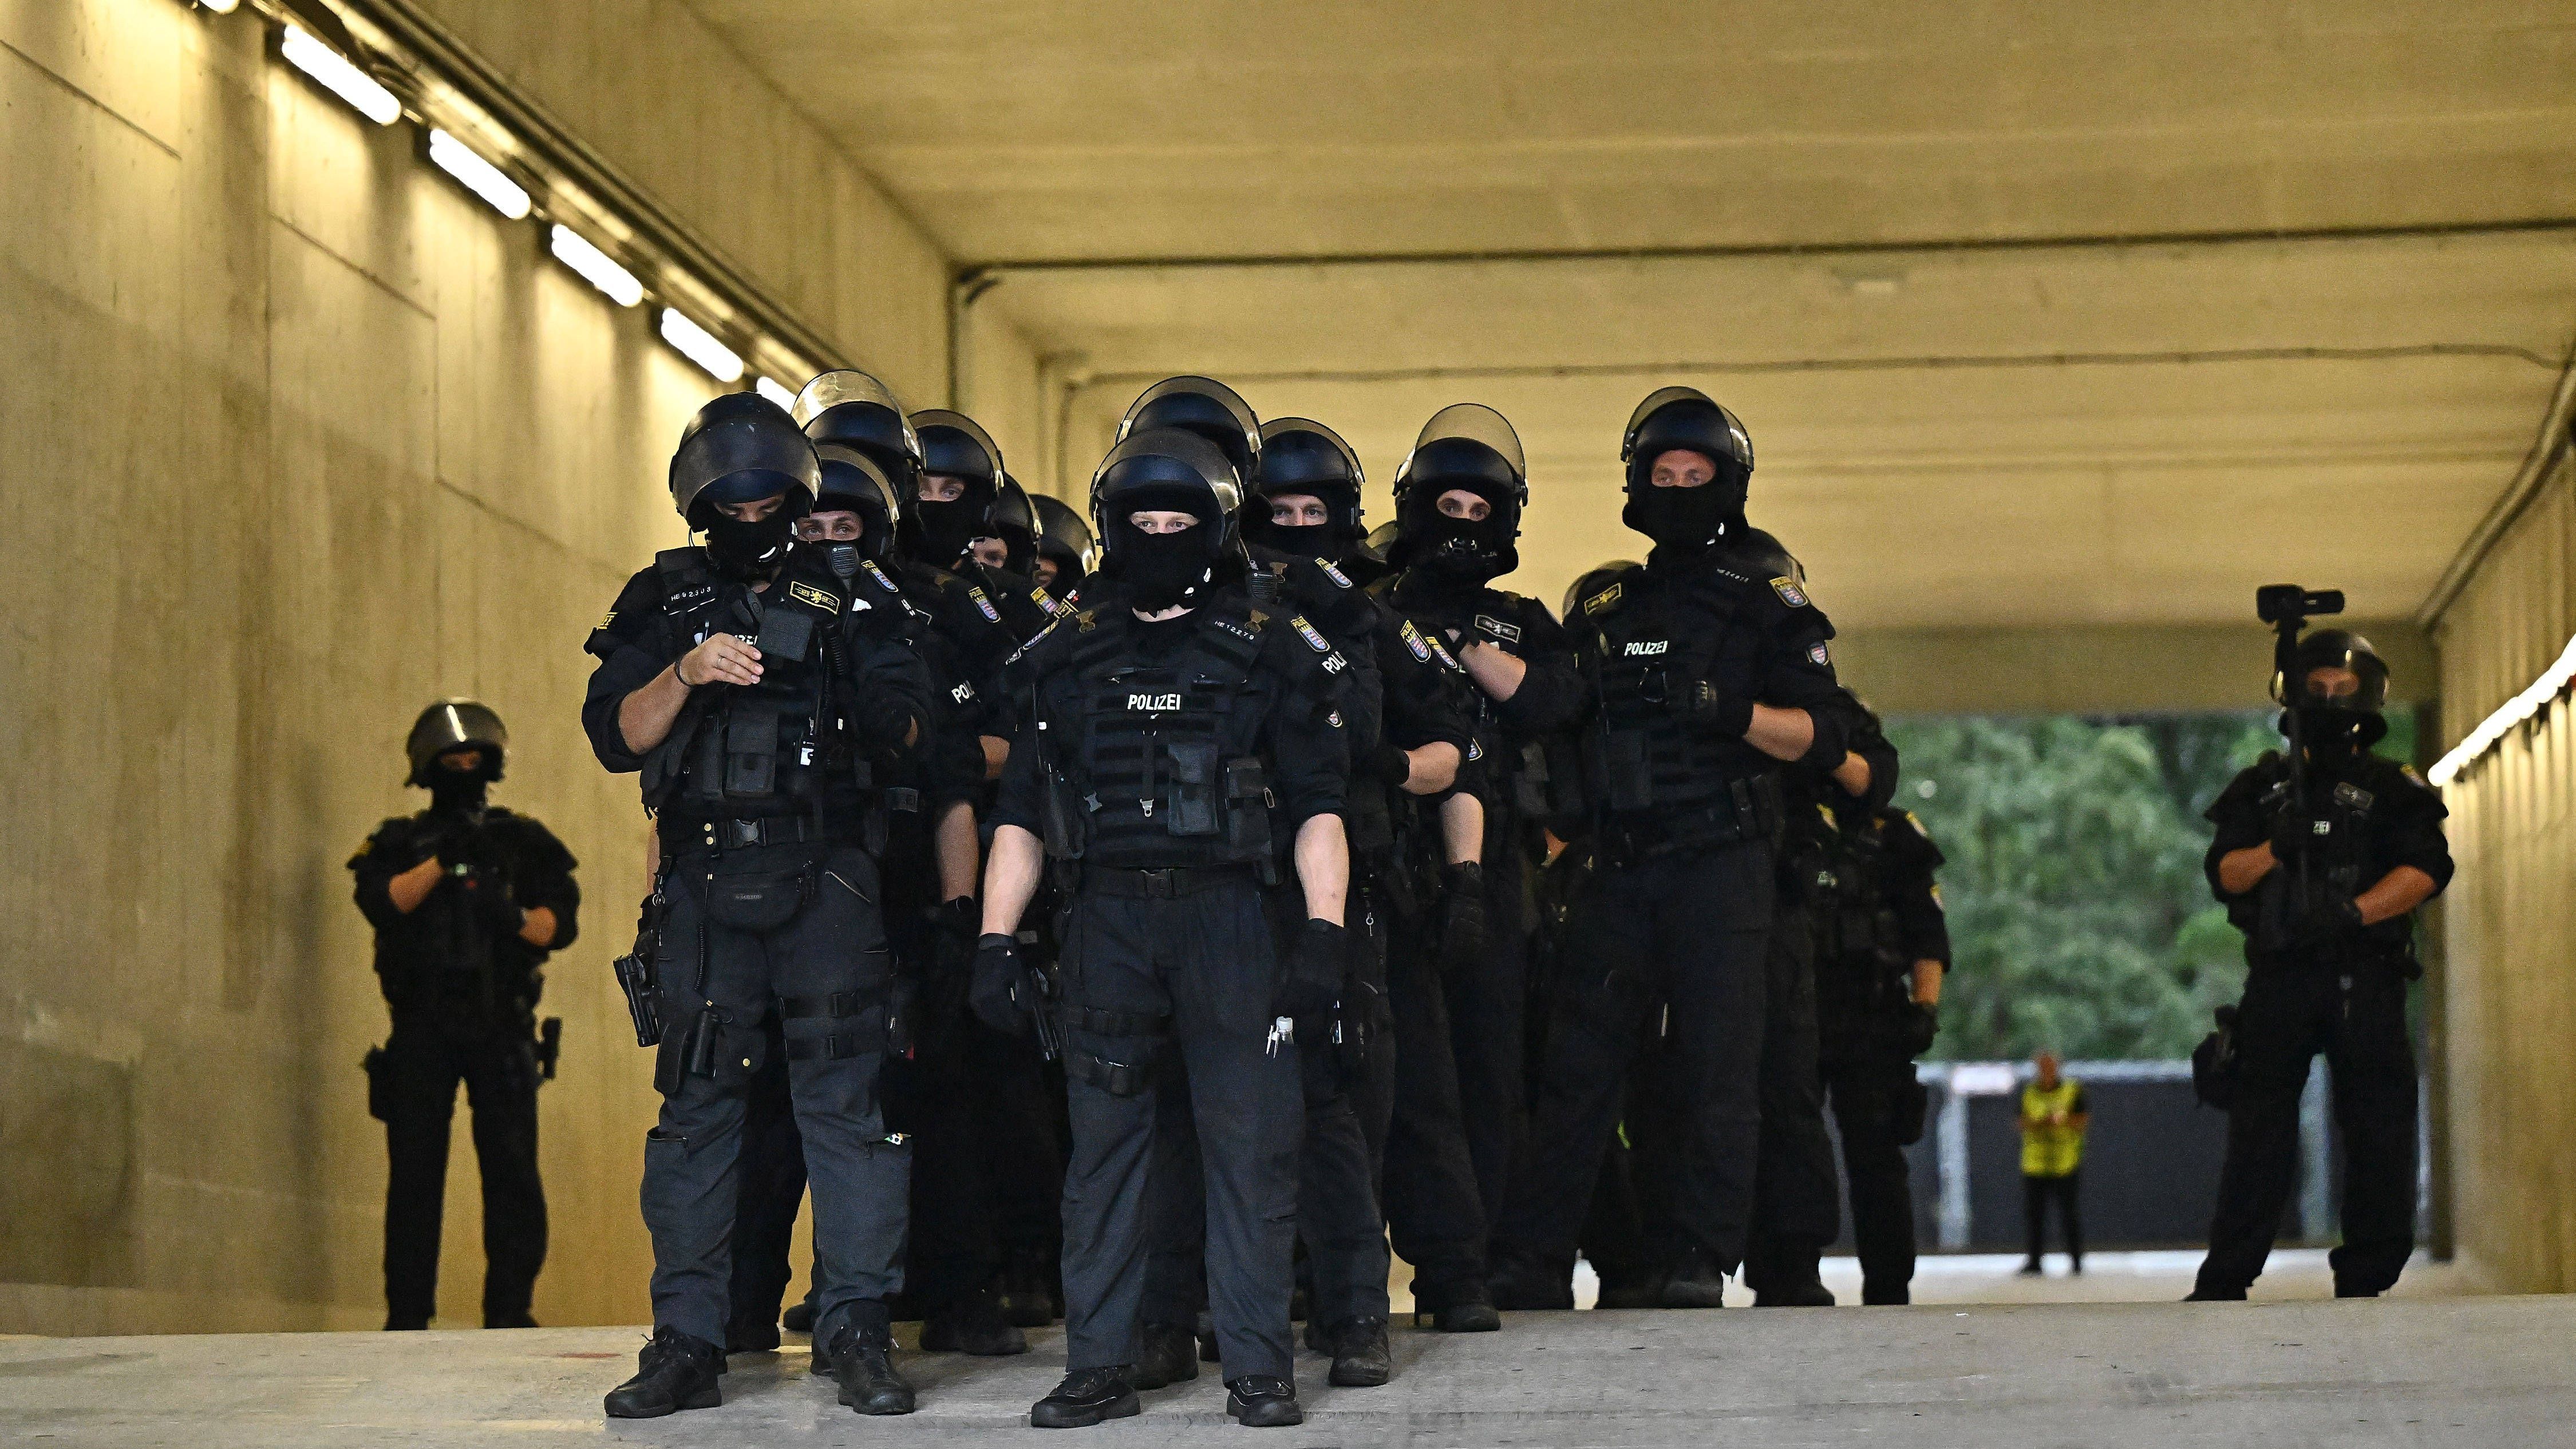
(445, 950)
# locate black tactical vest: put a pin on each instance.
(1641, 758)
(1861, 971)
(1145, 768)
(749, 750)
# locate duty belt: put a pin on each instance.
(1161, 885)
(701, 836)
(1750, 810)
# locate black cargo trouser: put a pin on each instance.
(823, 974)
(1878, 1106)
(1488, 1029)
(2293, 1011)
(425, 1057)
(1797, 1204)
(1178, 989)
(1689, 927)
(1434, 1209)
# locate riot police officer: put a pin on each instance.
(1181, 742)
(467, 899)
(2322, 862)
(1882, 948)
(1459, 496)
(1707, 669)
(756, 704)
(1065, 551)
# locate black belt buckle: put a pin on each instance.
(1160, 885)
(742, 834)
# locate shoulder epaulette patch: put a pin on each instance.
(1257, 619)
(805, 593)
(1604, 599)
(1313, 637)
(1414, 641)
(982, 604)
(1789, 591)
(1086, 619)
(1330, 572)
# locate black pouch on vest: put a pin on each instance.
(1913, 1102)
(1629, 776)
(751, 749)
(758, 902)
(1193, 787)
(1247, 805)
(713, 1046)
(1529, 783)
(785, 634)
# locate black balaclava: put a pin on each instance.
(746, 551)
(1158, 571)
(1686, 520)
(461, 792)
(1458, 552)
(942, 531)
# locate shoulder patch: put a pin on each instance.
(1334, 718)
(1789, 591)
(1500, 629)
(805, 593)
(1314, 639)
(1605, 599)
(1330, 572)
(878, 574)
(1414, 641)
(1937, 903)
(1445, 656)
(1475, 751)
(1819, 654)
(983, 605)
(2409, 772)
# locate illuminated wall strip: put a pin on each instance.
(777, 392)
(2552, 683)
(478, 175)
(701, 346)
(333, 72)
(595, 266)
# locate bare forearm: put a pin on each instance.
(645, 717)
(1462, 827)
(1927, 981)
(1783, 734)
(2399, 891)
(954, 838)
(1323, 867)
(1496, 671)
(1010, 879)
(413, 886)
(538, 927)
(1433, 768)
(1852, 774)
(997, 753)
(2240, 871)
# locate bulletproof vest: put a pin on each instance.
(1641, 758)
(1861, 972)
(2340, 864)
(748, 750)
(1529, 781)
(1363, 707)
(1148, 782)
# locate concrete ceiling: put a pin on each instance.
(1888, 235)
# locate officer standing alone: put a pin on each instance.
(733, 679)
(467, 899)
(1180, 742)
(2323, 871)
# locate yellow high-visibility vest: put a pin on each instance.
(2046, 1150)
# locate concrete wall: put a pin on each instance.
(299, 436)
(2098, 670)
(2508, 997)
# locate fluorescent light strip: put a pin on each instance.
(777, 392)
(335, 74)
(701, 346)
(2552, 683)
(478, 175)
(220, 7)
(575, 251)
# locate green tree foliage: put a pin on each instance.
(2079, 916)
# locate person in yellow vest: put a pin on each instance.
(2054, 1115)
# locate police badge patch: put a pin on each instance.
(1445, 656)
(1475, 751)
(1789, 592)
(878, 574)
(1306, 631)
(1817, 654)
(1413, 640)
(985, 605)
(1330, 572)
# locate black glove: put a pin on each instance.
(996, 993)
(883, 720)
(1921, 1023)
(1704, 704)
(2294, 833)
(1313, 980)
(487, 894)
(1462, 913)
(959, 929)
(2328, 918)
(1394, 766)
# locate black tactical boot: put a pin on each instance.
(800, 1318)
(1166, 1354)
(751, 1335)
(516, 1319)
(1361, 1359)
(1646, 1292)
(405, 1323)
(864, 1364)
(1522, 1283)
(1086, 1397)
(1205, 1328)
(1029, 1292)
(972, 1324)
(675, 1371)
(1456, 1308)
(1257, 1402)
(1811, 1293)
(1694, 1282)
(1885, 1295)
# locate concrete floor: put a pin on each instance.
(2471, 1371)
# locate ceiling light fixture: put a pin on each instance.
(701, 346)
(2552, 683)
(220, 7)
(777, 392)
(333, 72)
(595, 266)
(478, 175)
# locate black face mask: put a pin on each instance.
(747, 550)
(1158, 570)
(943, 530)
(1463, 551)
(453, 792)
(1684, 518)
(1308, 540)
(2335, 735)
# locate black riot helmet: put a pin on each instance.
(740, 448)
(1166, 469)
(1064, 540)
(852, 481)
(1302, 456)
(2339, 686)
(456, 724)
(1685, 419)
(953, 445)
(1592, 585)
(857, 411)
(1204, 406)
(1465, 446)
(1013, 519)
